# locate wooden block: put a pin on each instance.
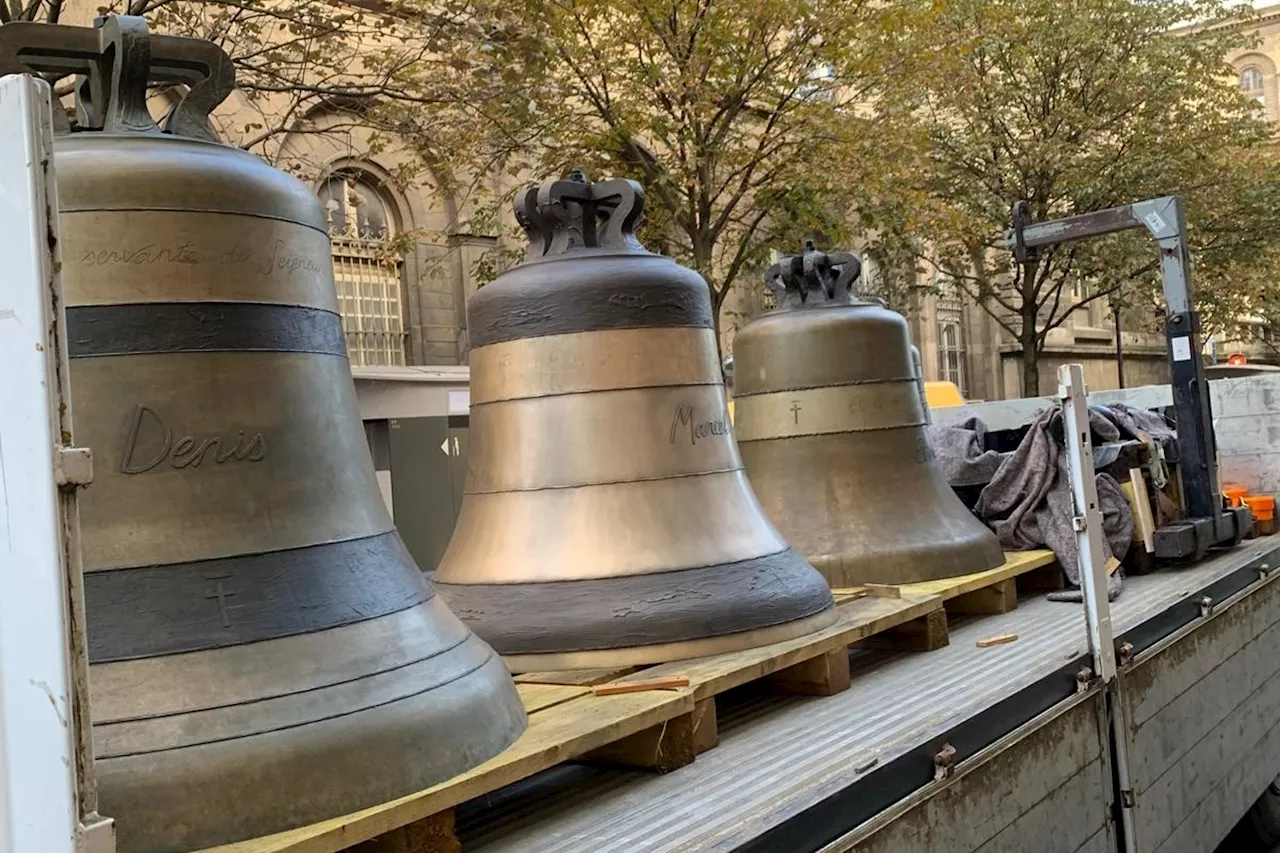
(997, 640)
(1000, 597)
(919, 635)
(580, 677)
(432, 834)
(1044, 579)
(613, 688)
(661, 748)
(825, 675)
(1144, 525)
(706, 731)
(883, 590)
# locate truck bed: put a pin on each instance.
(801, 773)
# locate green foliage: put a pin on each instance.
(1078, 107)
(745, 121)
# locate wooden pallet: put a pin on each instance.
(655, 729)
(992, 591)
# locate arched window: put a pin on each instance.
(951, 355)
(365, 268)
(1251, 80)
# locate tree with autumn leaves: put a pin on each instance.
(1077, 107)
(414, 71)
(751, 125)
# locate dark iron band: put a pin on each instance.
(640, 610)
(495, 316)
(210, 604)
(99, 330)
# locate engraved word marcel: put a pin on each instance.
(687, 416)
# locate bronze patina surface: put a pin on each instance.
(830, 419)
(263, 651)
(607, 520)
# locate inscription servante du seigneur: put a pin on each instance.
(278, 258)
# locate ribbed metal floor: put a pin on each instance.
(779, 755)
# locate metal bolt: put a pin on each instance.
(1206, 606)
(1083, 677)
(944, 762)
(1126, 654)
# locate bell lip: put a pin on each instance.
(667, 652)
(164, 792)
(674, 607)
(840, 572)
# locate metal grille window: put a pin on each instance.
(364, 269)
(951, 355)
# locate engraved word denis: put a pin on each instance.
(281, 260)
(687, 418)
(189, 451)
(182, 253)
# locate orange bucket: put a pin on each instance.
(1235, 495)
(1263, 507)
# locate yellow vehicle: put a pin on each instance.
(942, 395)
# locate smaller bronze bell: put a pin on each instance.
(830, 416)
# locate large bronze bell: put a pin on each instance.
(830, 416)
(263, 651)
(607, 520)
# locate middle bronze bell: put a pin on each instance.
(607, 520)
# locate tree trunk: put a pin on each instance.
(1030, 366)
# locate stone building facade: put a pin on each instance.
(405, 256)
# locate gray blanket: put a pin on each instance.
(1027, 498)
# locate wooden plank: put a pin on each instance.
(1016, 563)
(1000, 597)
(858, 619)
(670, 682)
(583, 677)
(539, 697)
(572, 729)
(1143, 519)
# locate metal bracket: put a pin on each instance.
(1087, 523)
(73, 467)
(96, 836)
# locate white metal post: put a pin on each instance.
(46, 780)
(1088, 520)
